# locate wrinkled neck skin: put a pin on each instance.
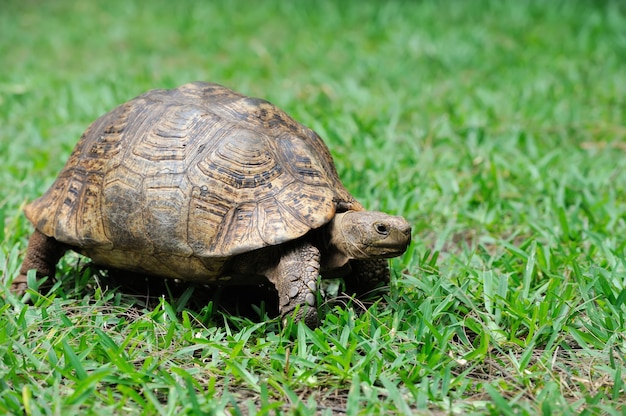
(335, 253)
(344, 237)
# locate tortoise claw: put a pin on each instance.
(18, 288)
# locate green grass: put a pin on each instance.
(497, 128)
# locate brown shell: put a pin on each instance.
(199, 171)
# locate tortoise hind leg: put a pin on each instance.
(367, 277)
(42, 254)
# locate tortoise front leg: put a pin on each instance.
(42, 254)
(367, 276)
(295, 278)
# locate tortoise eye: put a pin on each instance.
(381, 228)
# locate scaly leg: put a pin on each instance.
(295, 278)
(367, 276)
(42, 254)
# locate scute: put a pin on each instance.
(198, 171)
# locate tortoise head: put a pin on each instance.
(369, 234)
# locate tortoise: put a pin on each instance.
(203, 184)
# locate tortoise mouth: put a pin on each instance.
(387, 249)
(393, 245)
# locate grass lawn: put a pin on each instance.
(497, 128)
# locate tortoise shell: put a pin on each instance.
(174, 182)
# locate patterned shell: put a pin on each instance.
(197, 171)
